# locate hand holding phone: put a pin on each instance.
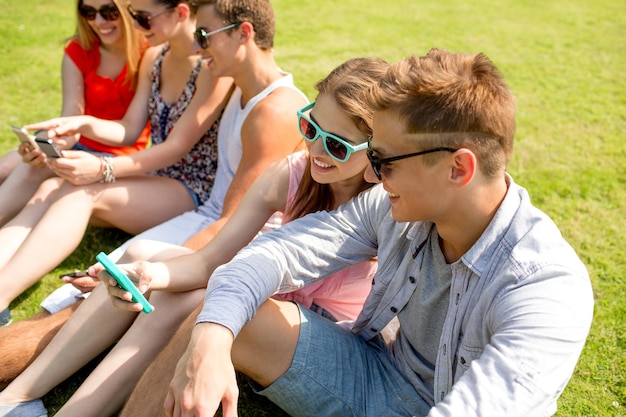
(74, 274)
(81, 280)
(25, 137)
(124, 282)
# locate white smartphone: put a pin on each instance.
(25, 137)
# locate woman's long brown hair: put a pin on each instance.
(349, 84)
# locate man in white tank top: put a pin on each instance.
(258, 128)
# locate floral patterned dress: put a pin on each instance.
(197, 168)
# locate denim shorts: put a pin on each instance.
(192, 193)
(337, 373)
(80, 147)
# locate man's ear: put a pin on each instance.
(247, 31)
(464, 166)
(183, 11)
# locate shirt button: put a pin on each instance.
(412, 280)
(374, 330)
(394, 310)
(462, 360)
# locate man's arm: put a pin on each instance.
(296, 254)
(205, 375)
(269, 134)
(539, 329)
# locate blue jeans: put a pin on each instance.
(80, 147)
(336, 373)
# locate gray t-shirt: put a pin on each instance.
(415, 349)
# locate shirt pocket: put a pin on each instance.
(466, 353)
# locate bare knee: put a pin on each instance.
(139, 250)
(50, 185)
(266, 345)
(151, 250)
(8, 162)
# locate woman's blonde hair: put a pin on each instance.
(135, 42)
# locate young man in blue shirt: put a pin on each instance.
(492, 303)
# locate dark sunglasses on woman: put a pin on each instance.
(109, 12)
(142, 18)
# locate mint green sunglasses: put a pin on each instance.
(335, 146)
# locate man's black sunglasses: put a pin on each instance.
(377, 162)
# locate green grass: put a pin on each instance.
(564, 60)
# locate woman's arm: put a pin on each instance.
(204, 108)
(73, 104)
(122, 132)
(267, 195)
(73, 88)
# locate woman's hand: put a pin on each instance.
(77, 167)
(65, 130)
(33, 157)
(144, 274)
(84, 283)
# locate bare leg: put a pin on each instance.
(46, 325)
(23, 341)
(109, 385)
(263, 350)
(8, 162)
(94, 327)
(13, 234)
(131, 204)
(265, 347)
(157, 377)
(18, 188)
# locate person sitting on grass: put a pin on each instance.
(493, 305)
(99, 77)
(327, 175)
(257, 128)
(184, 102)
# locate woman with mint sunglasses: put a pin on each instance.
(336, 146)
(306, 182)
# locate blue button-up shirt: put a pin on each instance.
(520, 305)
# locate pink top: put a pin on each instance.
(343, 293)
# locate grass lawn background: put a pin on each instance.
(564, 61)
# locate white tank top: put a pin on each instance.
(230, 146)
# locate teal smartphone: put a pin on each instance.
(124, 282)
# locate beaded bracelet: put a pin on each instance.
(107, 169)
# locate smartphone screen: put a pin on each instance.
(48, 147)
